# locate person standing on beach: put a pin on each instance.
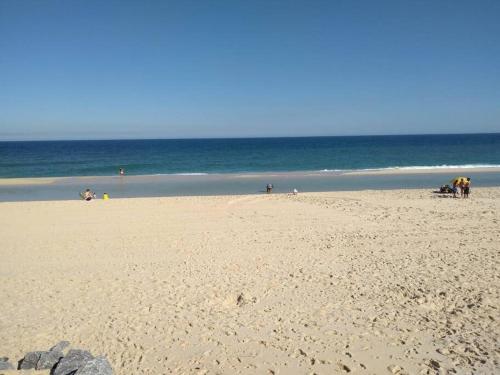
(122, 172)
(461, 184)
(269, 188)
(466, 188)
(454, 188)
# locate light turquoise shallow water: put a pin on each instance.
(227, 184)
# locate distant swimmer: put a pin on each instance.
(122, 172)
(87, 195)
(269, 188)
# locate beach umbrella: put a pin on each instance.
(457, 179)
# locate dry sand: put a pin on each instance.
(372, 282)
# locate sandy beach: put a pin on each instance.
(366, 282)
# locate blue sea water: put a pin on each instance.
(193, 156)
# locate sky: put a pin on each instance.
(193, 69)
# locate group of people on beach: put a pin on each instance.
(460, 185)
(463, 184)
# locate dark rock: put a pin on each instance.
(49, 359)
(96, 366)
(72, 362)
(60, 346)
(29, 361)
(5, 365)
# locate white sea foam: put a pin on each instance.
(444, 166)
(418, 167)
(190, 174)
(181, 174)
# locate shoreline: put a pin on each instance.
(8, 181)
(68, 188)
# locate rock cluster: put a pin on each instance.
(74, 362)
(4, 364)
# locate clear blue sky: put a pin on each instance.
(169, 69)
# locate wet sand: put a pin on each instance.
(370, 282)
(138, 178)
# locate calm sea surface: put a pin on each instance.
(208, 156)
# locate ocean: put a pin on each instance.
(155, 168)
(249, 155)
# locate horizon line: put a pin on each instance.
(233, 138)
